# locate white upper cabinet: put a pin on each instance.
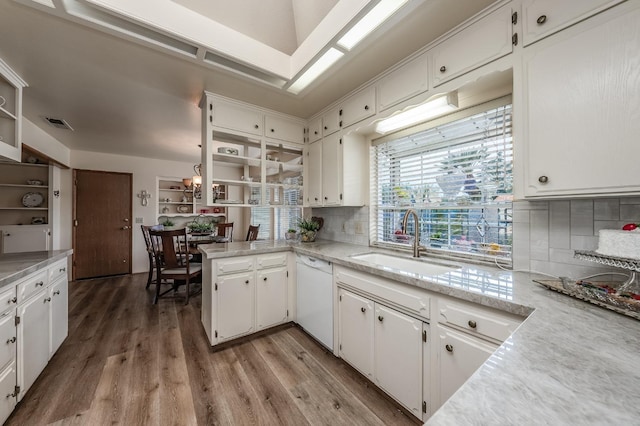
(407, 81)
(232, 116)
(331, 121)
(581, 106)
(359, 106)
(484, 41)
(545, 17)
(313, 174)
(315, 129)
(11, 86)
(284, 129)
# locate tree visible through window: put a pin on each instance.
(458, 178)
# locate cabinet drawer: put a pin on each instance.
(57, 270)
(32, 284)
(8, 298)
(410, 299)
(7, 339)
(234, 265)
(477, 320)
(272, 260)
(474, 46)
(545, 17)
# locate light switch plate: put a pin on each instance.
(139, 220)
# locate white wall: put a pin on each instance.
(145, 171)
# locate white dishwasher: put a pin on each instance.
(315, 298)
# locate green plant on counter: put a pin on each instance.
(198, 226)
(291, 231)
(308, 225)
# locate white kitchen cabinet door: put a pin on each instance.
(331, 121)
(235, 305)
(398, 357)
(313, 177)
(33, 339)
(8, 339)
(484, 41)
(271, 297)
(283, 129)
(407, 81)
(237, 117)
(359, 106)
(460, 356)
(7, 390)
(356, 331)
(332, 170)
(25, 240)
(541, 18)
(59, 314)
(582, 108)
(315, 129)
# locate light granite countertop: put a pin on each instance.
(14, 266)
(568, 363)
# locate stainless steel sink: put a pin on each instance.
(403, 264)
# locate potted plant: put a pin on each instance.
(198, 227)
(291, 234)
(167, 223)
(308, 230)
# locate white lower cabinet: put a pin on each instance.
(33, 324)
(244, 294)
(59, 313)
(271, 291)
(7, 391)
(234, 307)
(356, 331)
(33, 339)
(398, 350)
(385, 345)
(460, 355)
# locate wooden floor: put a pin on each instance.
(129, 362)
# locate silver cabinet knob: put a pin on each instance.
(472, 324)
(39, 283)
(449, 348)
(363, 310)
(12, 340)
(380, 318)
(543, 179)
(443, 68)
(541, 19)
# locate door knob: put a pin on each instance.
(125, 227)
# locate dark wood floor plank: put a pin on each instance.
(385, 409)
(277, 406)
(127, 361)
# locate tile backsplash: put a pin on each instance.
(344, 224)
(545, 233)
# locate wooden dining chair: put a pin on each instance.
(252, 234)
(152, 262)
(171, 253)
(225, 230)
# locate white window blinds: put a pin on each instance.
(457, 175)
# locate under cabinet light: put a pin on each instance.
(321, 65)
(370, 22)
(433, 108)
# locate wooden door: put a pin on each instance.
(102, 223)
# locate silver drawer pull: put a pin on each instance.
(57, 292)
(472, 324)
(39, 283)
(13, 300)
(449, 348)
(62, 269)
(12, 340)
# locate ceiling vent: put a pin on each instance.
(58, 123)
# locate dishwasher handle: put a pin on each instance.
(312, 262)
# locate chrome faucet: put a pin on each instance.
(416, 239)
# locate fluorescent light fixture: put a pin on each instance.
(321, 65)
(433, 108)
(370, 22)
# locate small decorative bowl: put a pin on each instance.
(34, 182)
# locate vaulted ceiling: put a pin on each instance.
(125, 94)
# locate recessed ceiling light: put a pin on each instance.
(321, 65)
(370, 22)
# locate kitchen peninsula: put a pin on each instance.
(568, 363)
